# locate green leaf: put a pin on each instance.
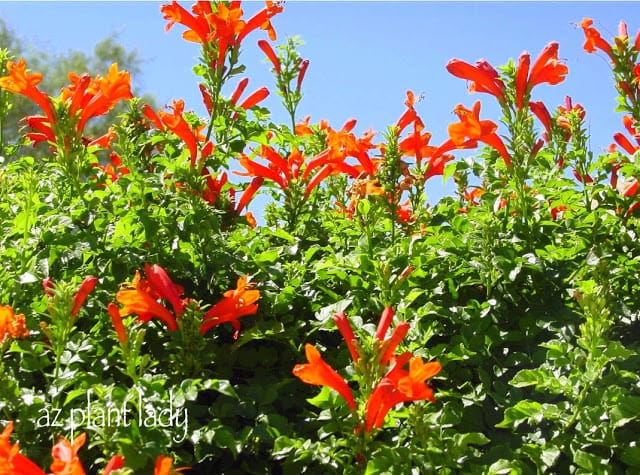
(631, 456)
(588, 461)
(470, 438)
(222, 386)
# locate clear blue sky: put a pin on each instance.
(364, 55)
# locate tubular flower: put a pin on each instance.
(11, 325)
(20, 81)
(341, 145)
(400, 385)
(483, 77)
(178, 125)
(115, 463)
(342, 322)
(471, 129)
(410, 115)
(109, 90)
(280, 170)
(164, 466)
(522, 72)
(593, 40)
(273, 57)
(547, 67)
(116, 320)
(12, 462)
(253, 99)
(87, 286)
(223, 26)
(319, 373)
(623, 141)
(542, 113)
(65, 456)
(84, 99)
(238, 302)
(142, 297)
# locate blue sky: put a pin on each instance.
(364, 55)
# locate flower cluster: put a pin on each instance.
(65, 458)
(144, 296)
(65, 117)
(395, 383)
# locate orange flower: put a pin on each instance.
(471, 129)
(11, 325)
(11, 461)
(623, 141)
(65, 456)
(116, 320)
(179, 126)
(547, 67)
(271, 54)
(318, 372)
(342, 322)
(164, 466)
(341, 145)
(280, 170)
(19, 81)
(409, 116)
(87, 286)
(593, 40)
(115, 463)
(542, 113)
(483, 77)
(224, 26)
(198, 27)
(399, 385)
(102, 94)
(238, 302)
(142, 295)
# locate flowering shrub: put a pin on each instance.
(148, 320)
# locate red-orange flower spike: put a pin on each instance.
(12, 462)
(398, 386)
(164, 466)
(593, 40)
(262, 20)
(141, 298)
(304, 65)
(238, 302)
(385, 322)
(547, 67)
(522, 72)
(198, 27)
(483, 77)
(249, 193)
(542, 113)
(472, 128)
(115, 463)
(65, 456)
(145, 306)
(87, 286)
(12, 325)
(271, 54)
(164, 286)
(254, 98)
(20, 81)
(176, 123)
(113, 88)
(116, 320)
(342, 322)
(319, 373)
(390, 345)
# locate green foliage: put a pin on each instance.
(525, 291)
